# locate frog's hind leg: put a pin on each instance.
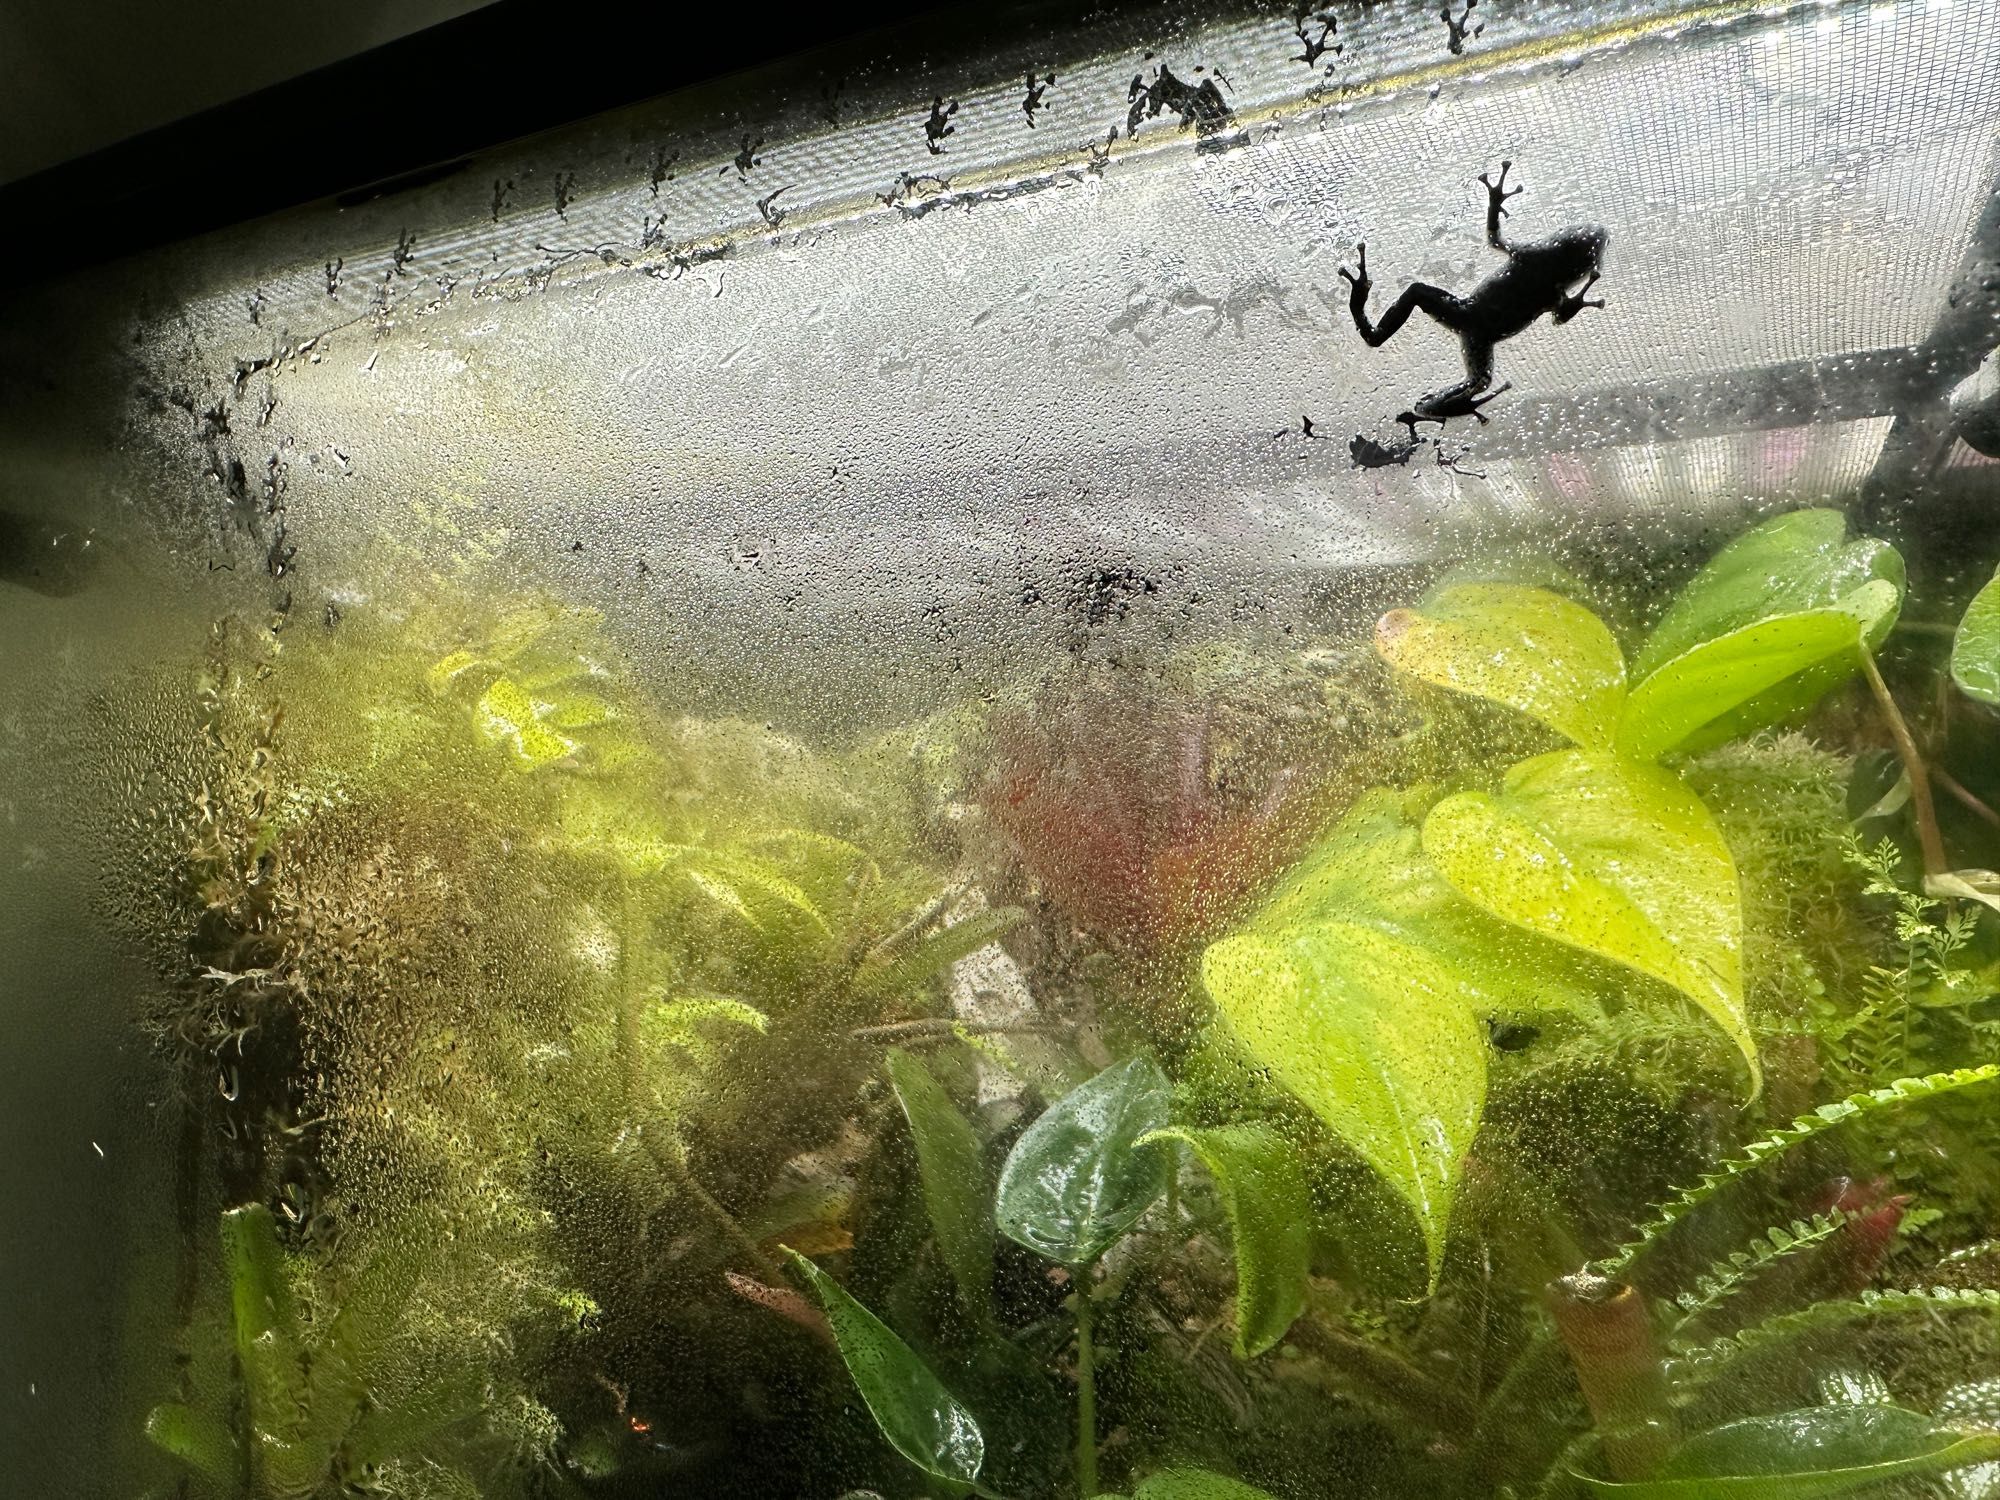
(1463, 399)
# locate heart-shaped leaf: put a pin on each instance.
(1375, 1035)
(1077, 1179)
(1263, 1190)
(1975, 650)
(1611, 856)
(954, 1181)
(1362, 984)
(1793, 565)
(1745, 680)
(1525, 647)
(921, 1419)
(1805, 1455)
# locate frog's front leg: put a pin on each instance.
(1439, 304)
(1575, 302)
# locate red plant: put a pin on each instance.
(1151, 824)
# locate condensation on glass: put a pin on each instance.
(834, 788)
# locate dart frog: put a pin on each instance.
(1536, 279)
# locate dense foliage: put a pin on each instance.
(1550, 1053)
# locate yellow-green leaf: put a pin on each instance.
(1362, 984)
(1706, 685)
(1374, 1033)
(506, 715)
(1263, 1190)
(1611, 856)
(1525, 647)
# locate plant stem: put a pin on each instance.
(1971, 799)
(1928, 836)
(1086, 1392)
(941, 1027)
(1608, 1331)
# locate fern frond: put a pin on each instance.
(1725, 1278)
(1874, 1043)
(1903, 1091)
(1703, 1363)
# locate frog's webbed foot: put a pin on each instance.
(1497, 193)
(1576, 302)
(1358, 278)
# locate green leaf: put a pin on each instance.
(1803, 1455)
(347, 1359)
(954, 1181)
(1611, 856)
(200, 1441)
(268, 1352)
(1727, 687)
(1263, 1190)
(506, 715)
(402, 1428)
(266, 1320)
(1525, 647)
(1076, 1180)
(1790, 564)
(938, 951)
(1195, 1484)
(1361, 985)
(1713, 688)
(1975, 650)
(731, 879)
(921, 1419)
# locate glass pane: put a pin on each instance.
(876, 781)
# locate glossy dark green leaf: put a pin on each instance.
(1263, 1188)
(1075, 1180)
(921, 1419)
(1805, 1455)
(954, 1181)
(1975, 650)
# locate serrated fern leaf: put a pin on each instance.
(1725, 1278)
(1804, 1128)
(1703, 1363)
